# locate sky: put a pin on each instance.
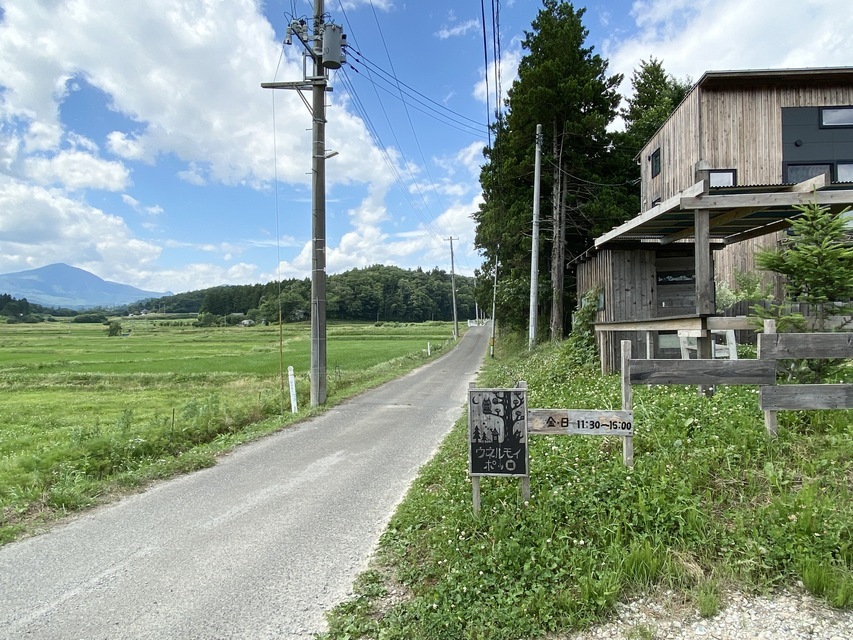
(136, 141)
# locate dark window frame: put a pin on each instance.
(732, 172)
(824, 125)
(828, 163)
(654, 159)
(838, 163)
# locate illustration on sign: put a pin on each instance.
(497, 432)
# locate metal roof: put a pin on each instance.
(752, 77)
(735, 213)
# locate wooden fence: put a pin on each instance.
(772, 347)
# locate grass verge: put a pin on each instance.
(711, 504)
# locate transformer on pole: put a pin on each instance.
(325, 44)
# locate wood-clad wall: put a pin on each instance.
(627, 280)
(678, 141)
(734, 127)
(742, 130)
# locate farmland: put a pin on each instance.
(86, 415)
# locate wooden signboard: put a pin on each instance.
(580, 422)
(497, 432)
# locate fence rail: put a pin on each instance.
(772, 347)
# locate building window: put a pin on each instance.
(655, 160)
(836, 117)
(795, 173)
(845, 172)
(723, 177)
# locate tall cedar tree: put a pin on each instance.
(563, 86)
(656, 94)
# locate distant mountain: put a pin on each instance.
(60, 285)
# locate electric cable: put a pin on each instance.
(408, 115)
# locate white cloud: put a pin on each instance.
(694, 36)
(41, 226)
(510, 59)
(451, 31)
(127, 146)
(470, 159)
(77, 170)
(190, 277)
(195, 95)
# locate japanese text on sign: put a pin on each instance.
(497, 432)
(581, 422)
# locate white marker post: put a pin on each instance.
(292, 380)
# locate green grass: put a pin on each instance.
(86, 415)
(711, 504)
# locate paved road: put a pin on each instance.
(258, 546)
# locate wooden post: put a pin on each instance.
(650, 351)
(525, 481)
(475, 480)
(705, 293)
(627, 401)
(770, 422)
(704, 289)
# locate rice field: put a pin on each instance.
(85, 415)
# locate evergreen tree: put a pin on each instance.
(655, 96)
(562, 85)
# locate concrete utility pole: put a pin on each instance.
(453, 286)
(534, 257)
(326, 49)
(494, 304)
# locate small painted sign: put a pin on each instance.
(581, 422)
(497, 432)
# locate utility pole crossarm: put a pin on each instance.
(325, 44)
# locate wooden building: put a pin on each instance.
(719, 180)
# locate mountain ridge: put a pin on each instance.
(61, 285)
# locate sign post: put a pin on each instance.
(497, 436)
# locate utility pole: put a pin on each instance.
(453, 287)
(534, 257)
(494, 304)
(325, 45)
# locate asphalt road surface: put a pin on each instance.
(259, 546)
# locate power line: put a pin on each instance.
(457, 124)
(363, 59)
(486, 70)
(591, 182)
(411, 98)
(408, 116)
(374, 134)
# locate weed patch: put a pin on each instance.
(712, 503)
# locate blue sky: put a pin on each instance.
(137, 143)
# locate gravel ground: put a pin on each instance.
(785, 616)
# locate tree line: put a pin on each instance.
(590, 179)
(378, 293)
(13, 310)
